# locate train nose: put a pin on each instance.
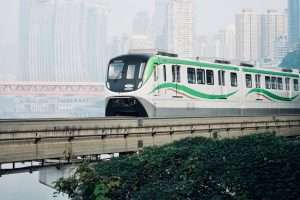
(128, 106)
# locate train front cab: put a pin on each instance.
(125, 76)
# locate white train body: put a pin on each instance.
(163, 86)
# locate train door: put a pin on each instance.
(288, 91)
(221, 80)
(176, 78)
(258, 85)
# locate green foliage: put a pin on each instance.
(292, 60)
(252, 167)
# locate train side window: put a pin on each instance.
(176, 73)
(280, 84)
(210, 77)
(191, 74)
(200, 76)
(287, 84)
(268, 82)
(165, 73)
(274, 83)
(221, 75)
(296, 85)
(257, 81)
(233, 79)
(248, 81)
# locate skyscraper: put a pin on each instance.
(273, 26)
(294, 24)
(68, 42)
(180, 27)
(62, 40)
(227, 48)
(248, 36)
(36, 39)
(95, 41)
(160, 24)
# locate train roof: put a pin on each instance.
(250, 69)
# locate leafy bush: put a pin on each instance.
(252, 167)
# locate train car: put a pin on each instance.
(163, 85)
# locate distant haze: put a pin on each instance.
(213, 15)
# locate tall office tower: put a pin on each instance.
(160, 24)
(227, 44)
(95, 41)
(68, 42)
(36, 50)
(273, 26)
(248, 36)
(180, 27)
(9, 40)
(294, 24)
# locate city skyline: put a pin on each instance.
(71, 40)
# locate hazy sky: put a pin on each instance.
(213, 15)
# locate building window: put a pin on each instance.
(296, 85)
(200, 76)
(280, 84)
(176, 73)
(191, 74)
(233, 79)
(274, 83)
(268, 82)
(287, 84)
(210, 77)
(248, 81)
(221, 75)
(257, 81)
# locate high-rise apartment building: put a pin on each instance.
(248, 35)
(280, 49)
(180, 27)
(273, 26)
(227, 45)
(294, 24)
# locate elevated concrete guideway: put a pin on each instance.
(66, 139)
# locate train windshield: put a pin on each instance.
(125, 73)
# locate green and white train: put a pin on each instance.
(163, 85)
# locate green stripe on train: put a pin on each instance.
(175, 61)
(160, 60)
(192, 92)
(271, 95)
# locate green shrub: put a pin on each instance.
(252, 167)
